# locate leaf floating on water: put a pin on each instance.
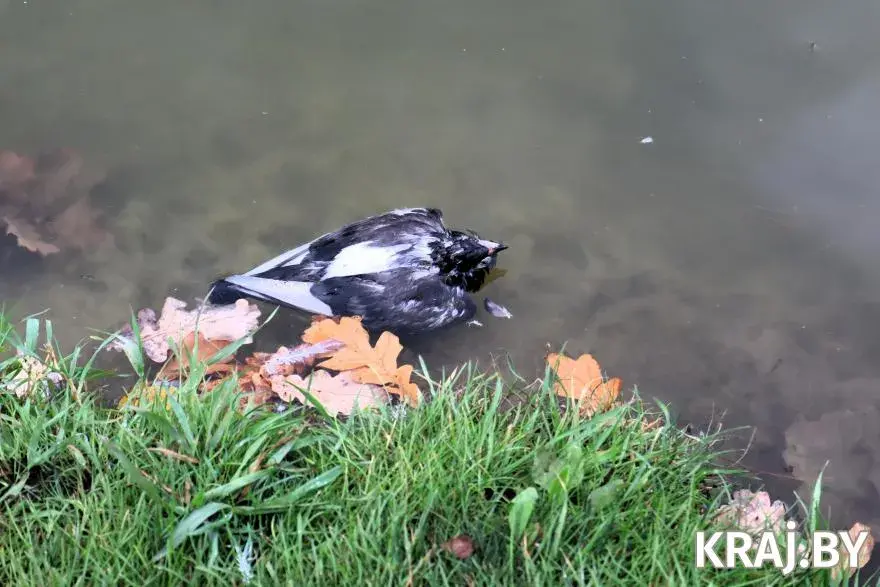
(582, 380)
(31, 376)
(353, 371)
(286, 361)
(214, 323)
(262, 371)
(368, 364)
(496, 310)
(752, 513)
(339, 394)
(863, 553)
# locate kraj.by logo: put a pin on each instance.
(726, 550)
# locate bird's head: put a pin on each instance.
(467, 259)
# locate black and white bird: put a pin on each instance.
(402, 271)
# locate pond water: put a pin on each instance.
(727, 267)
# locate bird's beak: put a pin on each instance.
(493, 246)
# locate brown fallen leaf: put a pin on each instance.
(201, 352)
(864, 553)
(148, 393)
(214, 323)
(461, 546)
(752, 513)
(174, 455)
(339, 394)
(255, 376)
(32, 376)
(582, 380)
(367, 364)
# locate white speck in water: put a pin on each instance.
(474, 323)
(264, 113)
(463, 50)
(760, 120)
(502, 48)
(647, 140)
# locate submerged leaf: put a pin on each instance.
(45, 202)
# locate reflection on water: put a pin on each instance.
(725, 267)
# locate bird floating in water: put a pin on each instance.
(403, 271)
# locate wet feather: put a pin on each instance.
(496, 310)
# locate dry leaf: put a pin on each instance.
(174, 455)
(752, 512)
(461, 546)
(256, 376)
(367, 364)
(214, 323)
(339, 394)
(582, 380)
(864, 554)
(33, 375)
(205, 349)
(288, 361)
(147, 394)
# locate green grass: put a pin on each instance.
(90, 495)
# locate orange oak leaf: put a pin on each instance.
(203, 351)
(376, 365)
(582, 380)
(574, 377)
(408, 391)
(601, 398)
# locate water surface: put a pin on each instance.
(728, 266)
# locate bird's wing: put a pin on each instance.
(397, 299)
(286, 259)
(293, 294)
(365, 246)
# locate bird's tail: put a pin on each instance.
(224, 292)
(293, 294)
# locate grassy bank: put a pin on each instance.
(194, 490)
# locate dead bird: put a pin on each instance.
(402, 271)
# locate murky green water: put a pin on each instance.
(729, 266)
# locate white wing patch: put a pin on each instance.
(362, 258)
(292, 293)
